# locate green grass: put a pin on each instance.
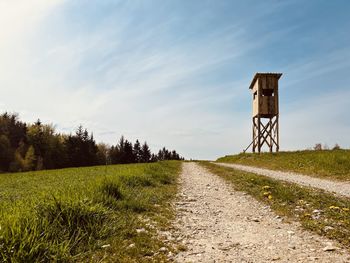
(86, 214)
(316, 210)
(334, 164)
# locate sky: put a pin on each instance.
(177, 73)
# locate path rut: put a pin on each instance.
(218, 224)
(339, 188)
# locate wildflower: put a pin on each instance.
(266, 193)
(269, 197)
(346, 209)
(266, 187)
(334, 207)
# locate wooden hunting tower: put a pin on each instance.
(264, 87)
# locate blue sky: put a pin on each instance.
(176, 73)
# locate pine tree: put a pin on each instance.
(79, 132)
(145, 153)
(160, 156)
(137, 151)
(128, 152)
(154, 158)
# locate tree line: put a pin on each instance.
(37, 146)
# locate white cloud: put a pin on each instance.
(117, 79)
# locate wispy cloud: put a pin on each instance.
(174, 74)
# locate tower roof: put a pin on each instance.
(260, 74)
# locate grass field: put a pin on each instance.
(316, 210)
(334, 164)
(86, 214)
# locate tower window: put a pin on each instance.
(267, 92)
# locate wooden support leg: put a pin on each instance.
(259, 135)
(254, 143)
(265, 133)
(270, 132)
(277, 133)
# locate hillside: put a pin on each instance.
(86, 214)
(334, 164)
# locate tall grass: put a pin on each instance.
(327, 163)
(69, 214)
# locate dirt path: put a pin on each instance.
(339, 188)
(218, 224)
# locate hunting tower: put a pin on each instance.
(264, 87)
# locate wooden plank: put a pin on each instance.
(265, 106)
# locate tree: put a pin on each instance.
(153, 158)
(128, 153)
(29, 159)
(81, 149)
(145, 153)
(14, 129)
(37, 146)
(6, 153)
(318, 147)
(123, 152)
(160, 156)
(336, 147)
(17, 164)
(102, 153)
(174, 155)
(48, 146)
(137, 151)
(165, 154)
(120, 150)
(113, 154)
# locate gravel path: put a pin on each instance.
(218, 224)
(339, 188)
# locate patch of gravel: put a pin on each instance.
(336, 187)
(218, 224)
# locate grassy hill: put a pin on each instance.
(86, 214)
(333, 164)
